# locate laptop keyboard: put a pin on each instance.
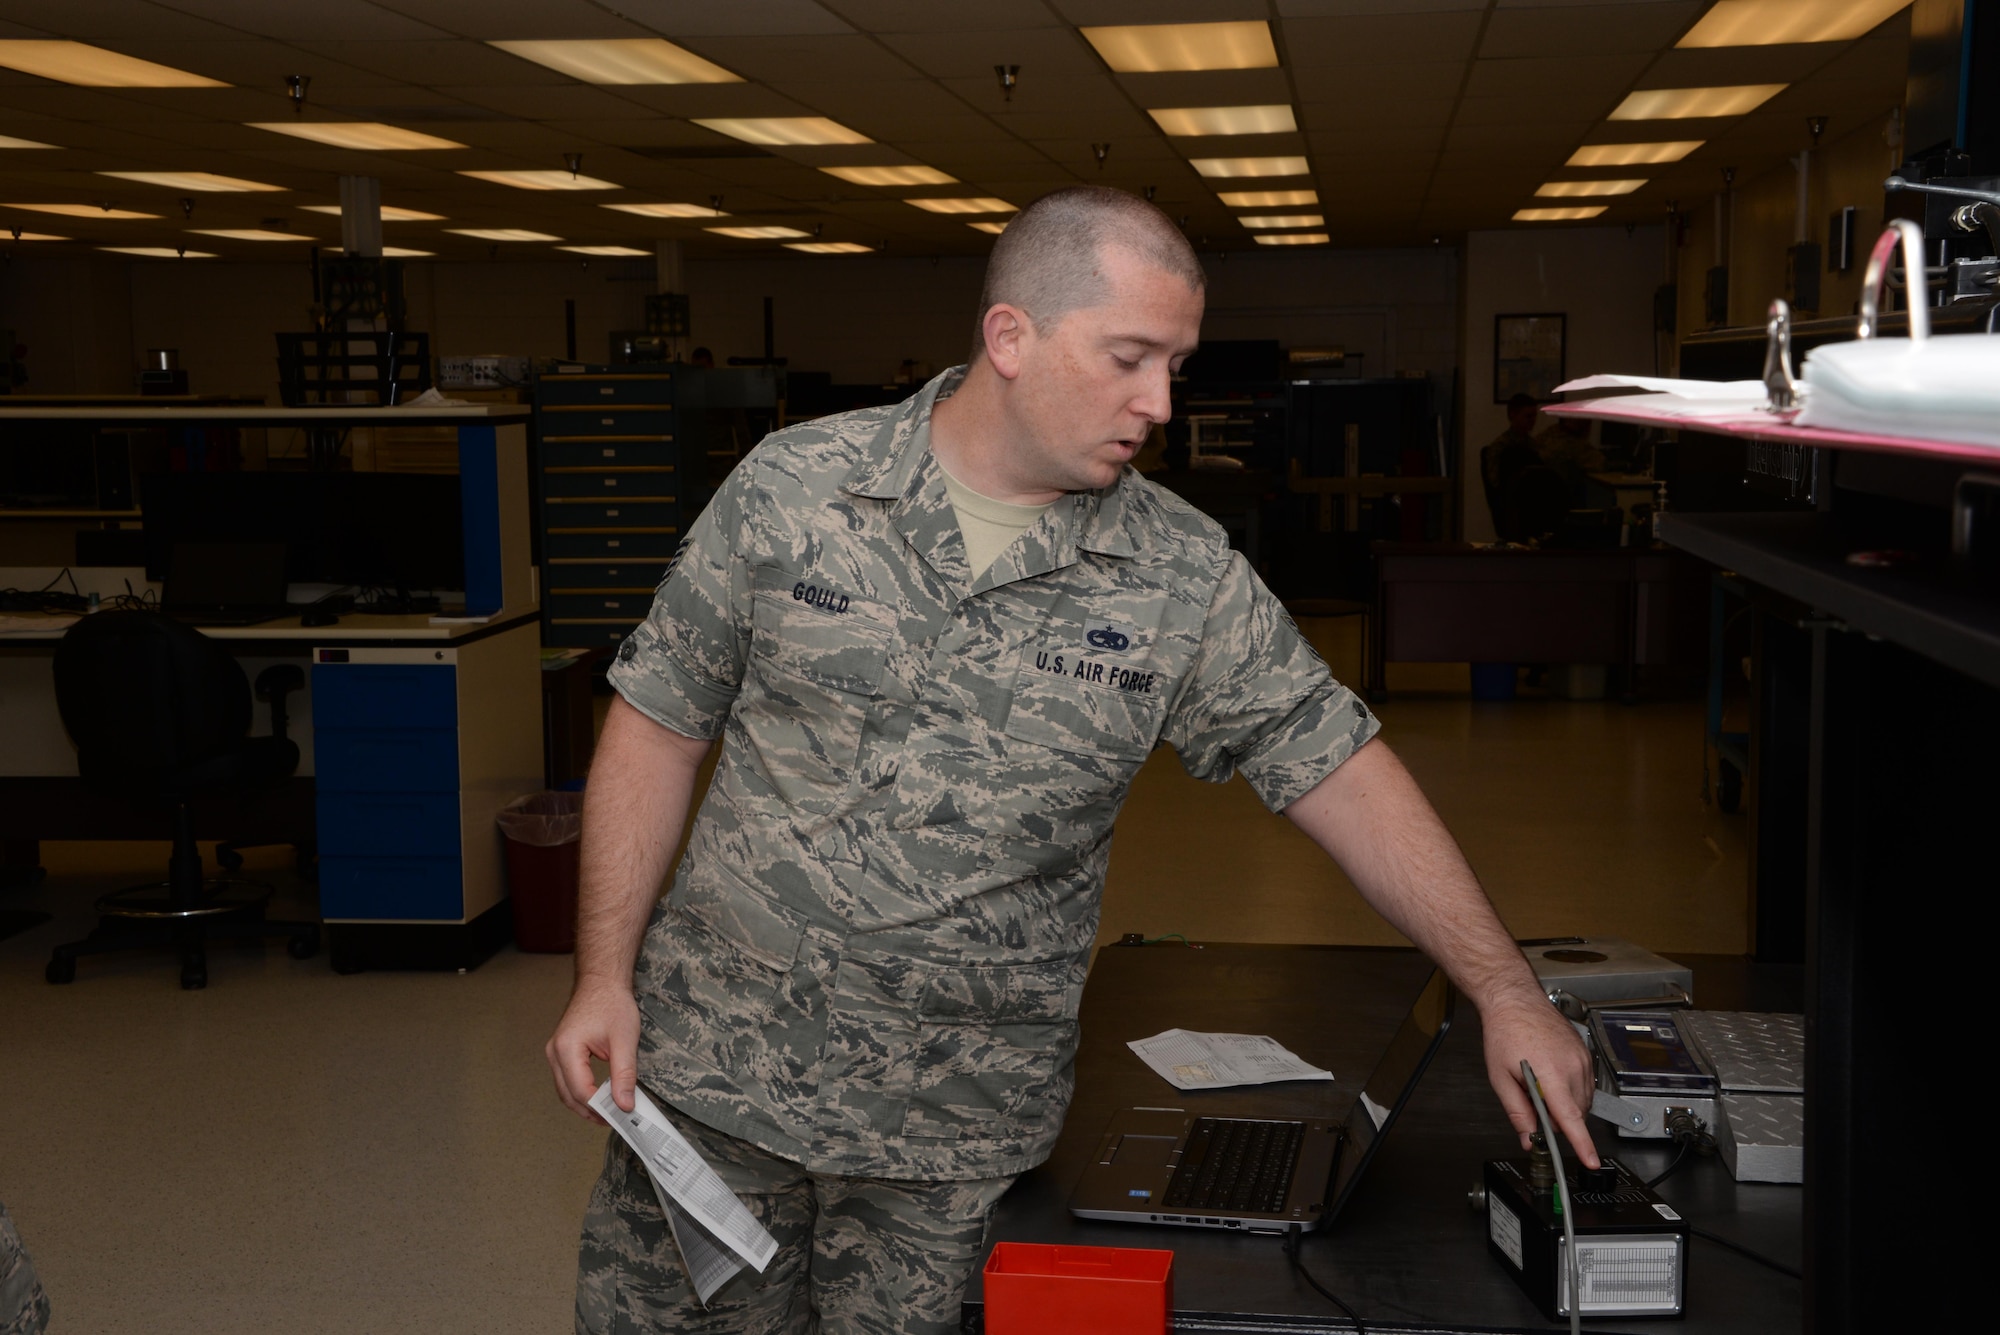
(1233, 1164)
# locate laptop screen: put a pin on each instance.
(1392, 1081)
(226, 574)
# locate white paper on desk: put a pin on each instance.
(1751, 390)
(680, 1173)
(1187, 1060)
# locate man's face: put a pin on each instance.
(1522, 419)
(1089, 390)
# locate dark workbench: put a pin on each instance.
(1407, 1252)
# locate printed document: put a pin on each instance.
(1187, 1060)
(704, 1214)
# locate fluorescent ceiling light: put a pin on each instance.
(501, 234)
(205, 182)
(1772, 22)
(1573, 189)
(248, 234)
(1282, 220)
(9, 141)
(391, 253)
(542, 180)
(996, 228)
(159, 252)
(668, 210)
(94, 67)
(606, 250)
(1267, 199)
(786, 131)
(623, 60)
(1676, 104)
(1632, 155)
(81, 211)
(1275, 118)
(37, 236)
(390, 213)
(1227, 167)
(758, 233)
(356, 134)
(1559, 215)
(891, 175)
(1150, 48)
(1292, 238)
(829, 247)
(979, 204)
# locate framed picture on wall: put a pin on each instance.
(1527, 355)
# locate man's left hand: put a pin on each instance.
(1535, 1031)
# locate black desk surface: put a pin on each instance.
(1407, 1251)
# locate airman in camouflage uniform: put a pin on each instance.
(24, 1306)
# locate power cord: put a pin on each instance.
(1562, 1198)
(1741, 1250)
(1292, 1237)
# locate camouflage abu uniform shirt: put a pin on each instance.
(872, 954)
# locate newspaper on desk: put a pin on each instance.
(708, 1222)
(1187, 1060)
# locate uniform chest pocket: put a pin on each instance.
(817, 673)
(1116, 716)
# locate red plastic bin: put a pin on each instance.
(1037, 1288)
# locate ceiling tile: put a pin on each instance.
(431, 63)
(322, 18)
(502, 20)
(900, 16)
(1722, 66)
(1088, 95)
(560, 102)
(1095, 12)
(1376, 138)
(1359, 109)
(119, 23)
(1042, 53)
(1304, 9)
(714, 100)
(1376, 39)
(1208, 88)
(1431, 80)
(1587, 30)
(1505, 78)
(777, 59)
(1551, 105)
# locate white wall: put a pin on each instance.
(1601, 278)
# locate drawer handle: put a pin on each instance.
(606, 389)
(607, 421)
(611, 603)
(611, 542)
(611, 454)
(610, 481)
(611, 514)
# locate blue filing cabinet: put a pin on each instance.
(611, 483)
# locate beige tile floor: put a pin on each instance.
(294, 1151)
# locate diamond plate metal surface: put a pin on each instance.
(1762, 1137)
(1752, 1051)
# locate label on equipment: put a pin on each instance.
(1666, 1211)
(1504, 1227)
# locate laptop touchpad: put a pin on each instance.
(1143, 1151)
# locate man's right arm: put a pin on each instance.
(635, 805)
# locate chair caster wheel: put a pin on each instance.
(303, 946)
(61, 969)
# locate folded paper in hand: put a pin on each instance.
(1187, 1060)
(705, 1215)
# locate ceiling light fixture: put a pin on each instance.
(1232, 167)
(830, 247)
(891, 175)
(786, 131)
(1585, 189)
(979, 204)
(93, 67)
(1573, 214)
(1010, 78)
(160, 252)
(1151, 48)
(1274, 118)
(81, 210)
(501, 234)
(366, 135)
(295, 88)
(1775, 22)
(621, 60)
(1100, 152)
(1675, 104)
(19, 235)
(1292, 238)
(1267, 199)
(629, 251)
(390, 213)
(203, 182)
(391, 253)
(1633, 155)
(248, 234)
(9, 141)
(542, 180)
(759, 233)
(996, 228)
(1263, 220)
(668, 210)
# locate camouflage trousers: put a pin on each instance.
(24, 1307)
(856, 1255)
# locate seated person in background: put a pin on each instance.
(1566, 447)
(703, 358)
(1501, 464)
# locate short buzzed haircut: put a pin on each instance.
(1048, 261)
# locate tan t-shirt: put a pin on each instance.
(989, 526)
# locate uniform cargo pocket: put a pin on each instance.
(993, 1051)
(714, 961)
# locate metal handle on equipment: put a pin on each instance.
(1911, 237)
(1778, 382)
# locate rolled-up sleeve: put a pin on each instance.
(683, 665)
(1260, 701)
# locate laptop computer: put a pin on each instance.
(1258, 1175)
(226, 583)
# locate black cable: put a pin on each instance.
(1292, 1236)
(1741, 1250)
(1674, 1167)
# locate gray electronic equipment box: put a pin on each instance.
(1600, 969)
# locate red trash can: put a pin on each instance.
(543, 832)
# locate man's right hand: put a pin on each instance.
(601, 1021)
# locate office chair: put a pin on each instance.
(160, 714)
